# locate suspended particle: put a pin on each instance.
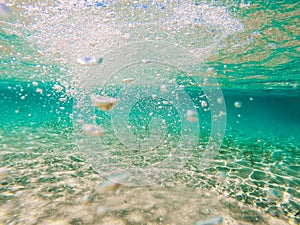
(163, 88)
(221, 176)
(101, 211)
(210, 221)
(38, 90)
(210, 71)
(57, 88)
(4, 171)
(146, 61)
(127, 80)
(220, 100)
(126, 36)
(65, 84)
(62, 99)
(113, 183)
(238, 104)
(204, 104)
(92, 130)
(88, 61)
(154, 97)
(192, 116)
(86, 199)
(273, 195)
(104, 103)
(180, 87)
(5, 12)
(34, 83)
(222, 113)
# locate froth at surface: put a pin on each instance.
(66, 30)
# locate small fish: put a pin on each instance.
(103, 102)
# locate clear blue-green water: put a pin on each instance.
(50, 171)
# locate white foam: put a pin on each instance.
(67, 30)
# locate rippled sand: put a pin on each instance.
(45, 181)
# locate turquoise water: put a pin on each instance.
(50, 171)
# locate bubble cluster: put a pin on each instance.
(153, 119)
